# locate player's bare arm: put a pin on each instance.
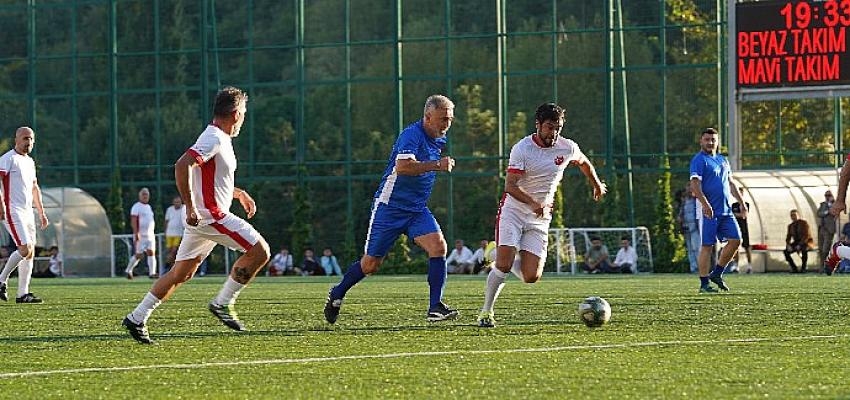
(512, 188)
(36, 199)
(181, 178)
(696, 188)
(841, 197)
(599, 187)
(246, 200)
(412, 167)
(737, 194)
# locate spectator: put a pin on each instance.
(480, 260)
(798, 240)
(826, 225)
(175, 218)
(309, 266)
(596, 258)
(460, 260)
(690, 227)
(626, 259)
(745, 233)
(845, 232)
(54, 265)
(329, 262)
(281, 264)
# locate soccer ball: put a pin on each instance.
(594, 311)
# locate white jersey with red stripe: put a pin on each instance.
(213, 181)
(144, 213)
(18, 174)
(540, 168)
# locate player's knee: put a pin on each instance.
(369, 265)
(263, 251)
(531, 278)
(24, 251)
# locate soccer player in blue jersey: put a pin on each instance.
(710, 173)
(400, 207)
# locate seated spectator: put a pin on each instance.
(329, 262)
(54, 268)
(309, 266)
(626, 259)
(596, 258)
(460, 260)
(481, 259)
(798, 240)
(281, 264)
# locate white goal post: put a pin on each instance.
(568, 246)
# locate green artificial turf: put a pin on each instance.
(776, 336)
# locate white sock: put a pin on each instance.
(152, 265)
(12, 263)
(24, 276)
(516, 268)
(144, 310)
(841, 251)
(229, 292)
(132, 264)
(495, 283)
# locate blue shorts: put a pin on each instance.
(721, 227)
(388, 223)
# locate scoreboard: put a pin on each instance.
(792, 43)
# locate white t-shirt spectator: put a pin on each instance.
(464, 256)
(175, 220)
(627, 256)
(146, 223)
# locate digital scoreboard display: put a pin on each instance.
(792, 43)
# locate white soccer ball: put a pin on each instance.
(594, 311)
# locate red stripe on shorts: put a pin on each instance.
(233, 235)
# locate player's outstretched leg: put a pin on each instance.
(438, 311)
(353, 275)
(716, 277)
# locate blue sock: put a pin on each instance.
(703, 280)
(718, 269)
(436, 278)
(353, 275)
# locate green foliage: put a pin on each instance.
(667, 244)
(301, 229)
(115, 204)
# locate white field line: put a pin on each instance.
(309, 360)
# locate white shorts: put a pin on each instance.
(523, 231)
(21, 227)
(145, 243)
(231, 231)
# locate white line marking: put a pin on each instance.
(308, 360)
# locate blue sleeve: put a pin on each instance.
(408, 142)
(696, 167)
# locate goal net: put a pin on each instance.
(568, 246)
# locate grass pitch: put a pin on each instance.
(774, 336)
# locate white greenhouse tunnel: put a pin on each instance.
(772, 195)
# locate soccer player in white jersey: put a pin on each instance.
(20, 192)
(205, 179)
(142, 221)
(536, 166)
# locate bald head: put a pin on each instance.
(144, 195)
(24, 140)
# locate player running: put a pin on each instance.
(536, 166)
(205, 179)
(400, 206)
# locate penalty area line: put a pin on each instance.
(309, 360)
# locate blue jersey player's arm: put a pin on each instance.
(697, 166)
(406, 162)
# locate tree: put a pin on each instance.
(667, 245)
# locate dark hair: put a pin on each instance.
(626, 238)
(592, 238)
(709, 131)
(549, 112)
(227, 100)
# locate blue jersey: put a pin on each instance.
(410, 192)
(714, 173)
